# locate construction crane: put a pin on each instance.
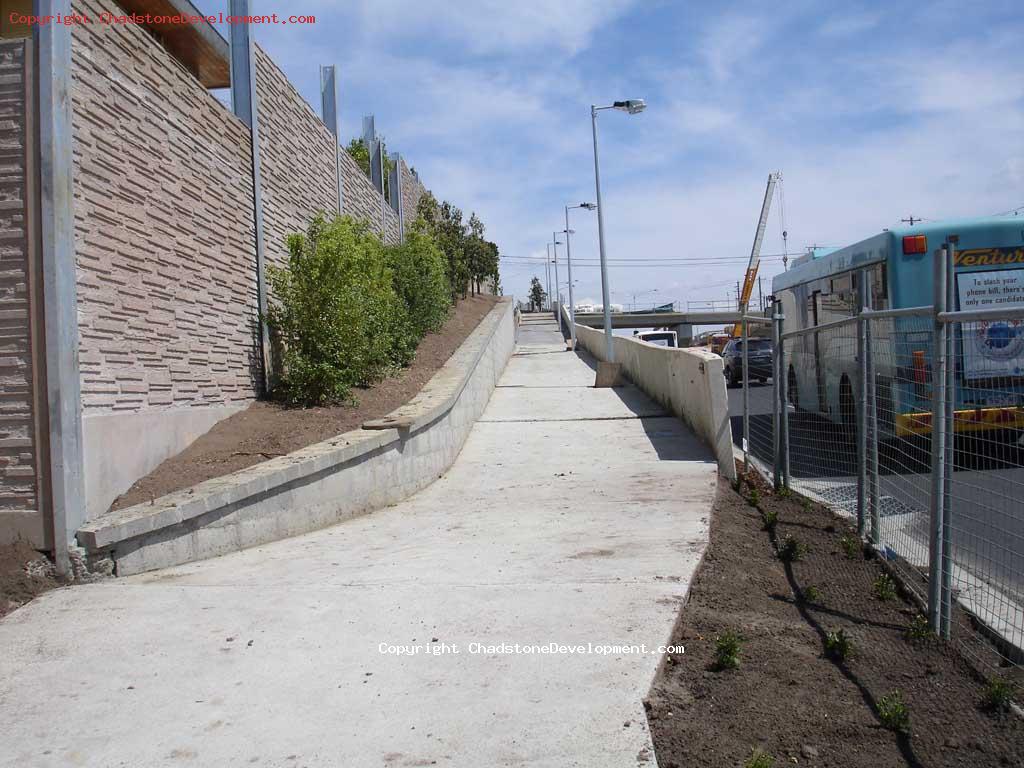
(750, 278)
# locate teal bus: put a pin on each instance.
(821, 288)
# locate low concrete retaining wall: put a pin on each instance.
(353, 473)
(689, 382)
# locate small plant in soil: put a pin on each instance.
(771, 520)
(783, 492)
(759, 759)
(998, 695)
(894, 713)
(728, 647)
(811, 594)
(838, 645)
(805, 504)
(791, 550)
(884, 588)
(851, 546)
(755, 497)
(919, 628)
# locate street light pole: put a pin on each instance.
(547, 272)
(558, 297)
(568, 259)
(632, 106)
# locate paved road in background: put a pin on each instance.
(573, 515)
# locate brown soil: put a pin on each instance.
(265, 430)
(24, 573)
(786, 697)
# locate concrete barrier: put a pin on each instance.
(353, 473)
(688, 382)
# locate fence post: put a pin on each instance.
(949, 444)
(938, 447)
(746, 398)
(871, 404)
(776, 401)
(783, 399)
(862, 411)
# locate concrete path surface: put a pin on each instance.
(573, 516)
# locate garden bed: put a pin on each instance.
(265, 430)
(790, 698)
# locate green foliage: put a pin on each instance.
(537, 295)
(783, 492)
(811, 594)
(791, 550)
(361, 154)
(759, 759)
(418, 270)
(919, 628)
(851, 546)
(728, 647)
(771, 520)
(335, 314)
(754, 498)
(884, 588)
(998, 695)
(470, 259)
(838, 645)
(893, 713)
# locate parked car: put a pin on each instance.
(759, 360)
(661, 338)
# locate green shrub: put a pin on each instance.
(418, 270)
(838, 645)
(771, 520)
(335, 314)
(728, 647)
(755, 497)
(811, 594)
(894, 713)
(759, 759)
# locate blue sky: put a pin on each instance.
(872, 111)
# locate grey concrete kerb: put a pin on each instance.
(351, 449)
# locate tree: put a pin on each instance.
(537, 295)
(361, 154)
(418, 268)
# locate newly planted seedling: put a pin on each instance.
(998, 695)
(919, 628)
(754, 498)
(884, 588)
(791, 550)
(771, 520)
(759, 759)
(851, 546)
(728, 647)
(894, 713)
(811, 594)
(838, 645)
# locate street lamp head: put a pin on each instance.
(632, 106)
(588, 206)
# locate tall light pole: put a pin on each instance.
(554, 246)
(547, 273)
(568, 259)
(631, 106)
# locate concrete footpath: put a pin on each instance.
(573, 516)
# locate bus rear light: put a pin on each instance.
(915, 244)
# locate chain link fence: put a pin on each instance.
(910, 423)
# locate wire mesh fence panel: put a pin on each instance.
(861, 401)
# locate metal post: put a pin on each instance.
(938, 485)
(605, 293)
(783, 401)
(558, 296)
(60, 303)
(329, 111)
(245, 100)
(949, 444)
(776, 401)
(547, 272)
(862, 414)
(568, 259)
(871, 405)
(746, 398)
